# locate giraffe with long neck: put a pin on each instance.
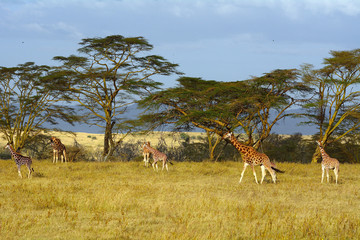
(157, 156)
(20, 160)
(328, 163)
(146, 153)
(253, 158)
(59, 150)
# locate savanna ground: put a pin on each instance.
(125, 200)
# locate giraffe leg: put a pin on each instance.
(57, 156)
(145, 159)
(336, 171)
(327, 174)
(65, 158)
(155, 164)
(61, 156)
(322, 175)
(253, 168)
(263, 173)
(272, 172)
(165, 165)
(273, 175)
(243, 171)
(54, 155)
(19, 172)
(29, 167)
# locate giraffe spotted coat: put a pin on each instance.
(252, 158)
(20, 160)
(328, 163)
(157, 156)
(146, 153)
(59, 150)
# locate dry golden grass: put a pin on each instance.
(192, 201)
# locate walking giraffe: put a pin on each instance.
(59, 149)
(157, 156)
(20, 160)
(146, 153)
(253, 158)
(328, 163)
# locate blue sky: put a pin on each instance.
(224, 40)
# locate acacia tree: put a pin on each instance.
(335, 107)
(26, 103)
(108, 76)
(217, 107)
(186, 106)
(272, 95)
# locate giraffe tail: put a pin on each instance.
(277, 170)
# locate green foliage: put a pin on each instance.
(27, 102)
(335, 104)
(220, 106)
(185, 137)
(5, 154)
(110, 73)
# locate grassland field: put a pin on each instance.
(126, 200)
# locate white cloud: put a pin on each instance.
(35, 27)
(58, 28)
(67, 29)
(347, 7)
(216, 43)
(292, 8)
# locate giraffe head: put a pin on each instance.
(146, 144)
(8, 145)
(319, 143)
(227, 135)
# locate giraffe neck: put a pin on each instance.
(150, 149)
(323, 153)
(239, 146)
(12, 151)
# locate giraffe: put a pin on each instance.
(253, 158)
(146, 153)
(157, 156)
(20, 160)
(328, 163)
(59, 149)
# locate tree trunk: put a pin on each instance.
(212, 146)
(316, 156)
(107, 138)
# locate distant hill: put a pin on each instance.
(287, 126)
(292, 125)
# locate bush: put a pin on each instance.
(288, 149)
(5, 154)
